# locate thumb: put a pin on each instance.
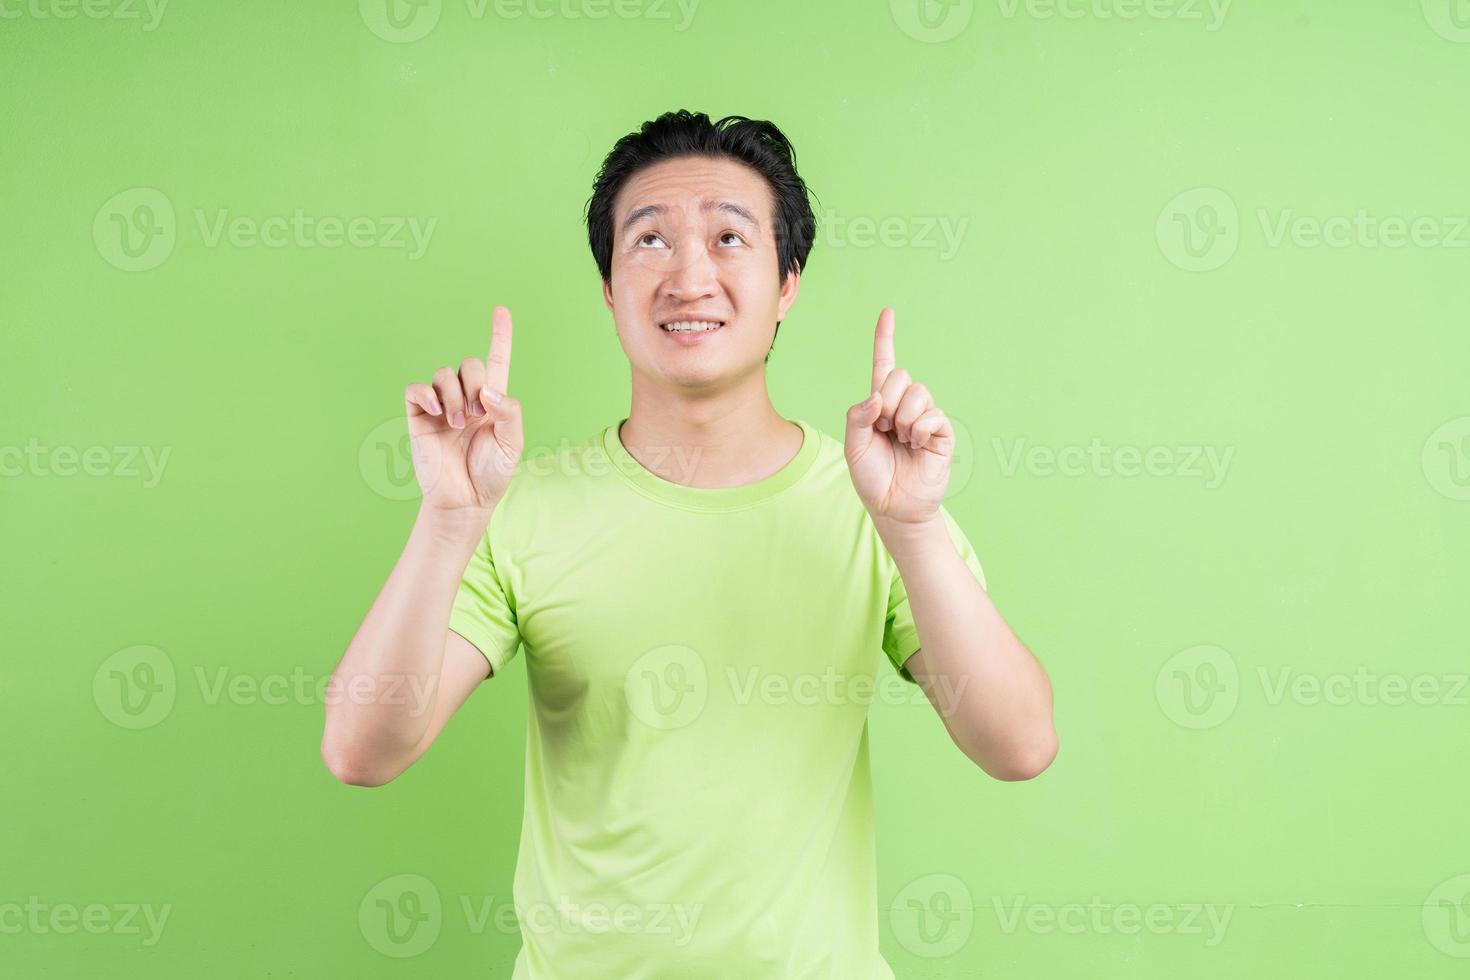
(505, 416)
(860, 419)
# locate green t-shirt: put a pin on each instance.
(700, 665)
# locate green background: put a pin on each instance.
(1121, 280)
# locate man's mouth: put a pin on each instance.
(692, 326)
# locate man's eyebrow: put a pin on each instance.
(728, 207)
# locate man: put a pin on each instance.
(701, 590)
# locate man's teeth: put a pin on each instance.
(692, 326)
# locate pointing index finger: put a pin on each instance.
(497, 361)
(883, 360)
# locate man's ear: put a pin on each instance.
(607, 294)
(789, 289)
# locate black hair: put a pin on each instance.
(757, 143)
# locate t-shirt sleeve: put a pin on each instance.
(900, 635)
(484, 609)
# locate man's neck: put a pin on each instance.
(726, 440)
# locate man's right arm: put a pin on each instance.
(405, 672)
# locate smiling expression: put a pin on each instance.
(694, 246)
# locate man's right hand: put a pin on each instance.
(466, 445)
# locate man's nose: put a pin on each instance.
(693, 275)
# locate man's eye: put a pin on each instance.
(734, 235)
(647, 235)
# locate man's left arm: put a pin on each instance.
(989, 690)
(993, 696)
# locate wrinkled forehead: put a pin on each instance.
(693, 189)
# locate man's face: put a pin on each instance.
(695, 239)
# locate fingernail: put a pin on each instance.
(492, 394)
(475, 409)
(434, 407)
(458, 420)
